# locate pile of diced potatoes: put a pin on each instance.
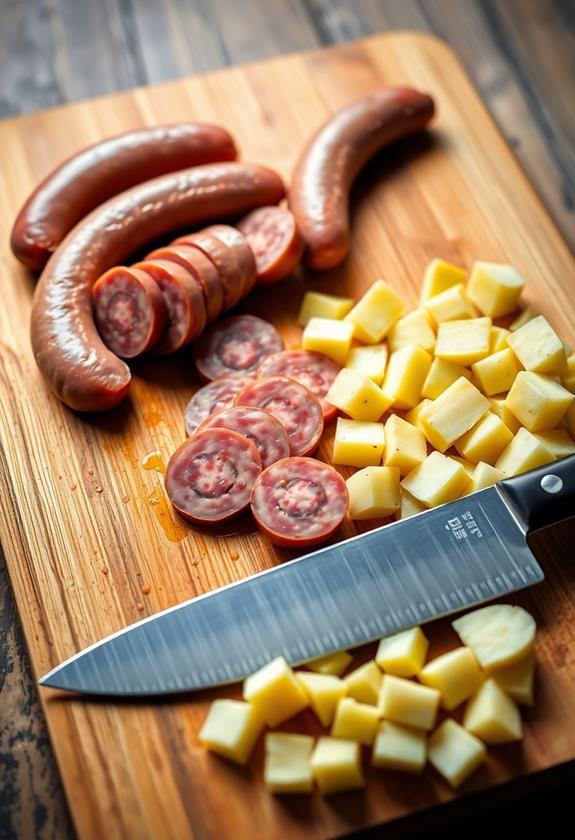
(441, 401)
(389, 705)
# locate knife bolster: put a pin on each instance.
(543, 496)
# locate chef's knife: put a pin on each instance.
(432, 564)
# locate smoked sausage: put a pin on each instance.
(212, 398)
(257, 425)
(235, 346)
(202, 268)
(314, 370)
(275, 240)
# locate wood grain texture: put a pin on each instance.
(87, 530)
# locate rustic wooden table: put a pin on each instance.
(521, 55)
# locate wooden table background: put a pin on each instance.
(521, 56)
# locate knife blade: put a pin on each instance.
(410, 572)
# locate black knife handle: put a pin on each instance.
(543, 496)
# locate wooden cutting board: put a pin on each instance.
(90, 540)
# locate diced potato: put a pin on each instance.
(364, 683)
(568, 376)
(570, 418)
(496, 373)
(375, 313)
(358, 444)
(373, 492)
(439, 276)
(538, 347)
(336, 765)
(405, 375)
(408, 505)
(332, 338)
(525, 452)
(455, 752)
(538, 401)
(370, 361)
(412, 416)
(332, 663)
(404, 701)
(463, 342)
(452, 414)
(318, 305)
(413, 328)
(498, 407)
(524, 317)
(498, 340)
(405, 445)
(403, 654)
(358, 721)
(451, 305)
(557, 441)
(494, 288)
(467, 465)
(437, 480)
(357, 396)
(324, 692)
(399, 748)
(486, 440)
(441, 375)
(493, 716)
(275, 692)
(231, 729)
(498, 634)
(456, 675)
(517, 679)
(287, 766)
(484, 476)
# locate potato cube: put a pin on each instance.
(287, 766)
(498, 340)
(537, 401)
(374, 315)
(231, 729)
(441, 375)
(403, 654)
(568, 375)
(484, 475)
(493, 716)
(405, 375)
(497, 406)
(467, 465)
(437, 480)
(517, 679)
(486, 440)
(496, 373)
(412, 416)
(357, 396)
(453, 413)
(399, 748)
(413, 328)
(557, 441)
(524, 317)
(404, 701)
(538, 347)
(324, 692)
(275, 692)
(570, 419)
(373, 492)
(332, 663)
(494, 288)
(370, 361)
(405, 445)
(408, 505)
(336, 765)
(332, 338)
(456, 675)
(463, 342)
(358, 721)
(364, 683)
(439, 276)
(525, 452)
(499, 634)
(451, 305)
(358, 444)
(318, 305)
(455, 752)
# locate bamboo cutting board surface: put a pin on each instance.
(91, 543)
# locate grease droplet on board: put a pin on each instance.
(99, 489)
(154, 461)
(139, 606)
(173, 529)
(234, 556)
(146, 589)
(73, 486)
(104, 570)
(152, 417)
(125, 499)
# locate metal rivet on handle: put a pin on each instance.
(551, 483)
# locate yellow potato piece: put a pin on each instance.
(517, 679)
(373, 492)
(370, 361)
(557, 441)
(498, 340)
(485, 441)
(399, 748)
(336, 765)
(441, 375)
(538, 401)
(497, 406)
(324, 692)
(408, 505)
(497, 372)
(455, 752)
(493, 716)
(404, 701)
(498, 634)
(231, 729)
(375, 313)
(403, 654)
(412, 416)
(467, 465)
(538, 347)
(405, 375)
(484, 475)
(450, 305)
(275, 692)
(358, 721)
(357, 396)
(287, 767)
(494, 288)
(358, 443)
(414, 328)
(405, 445)
(439, 276)
(332, 338)
(456, 675)
(437, 480)
(523, 318)
(364, 683)
(332, 663)
(525, 452)
(463, 342)
(452, 414)
(568, 376)
(317, 305)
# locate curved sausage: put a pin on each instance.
(332, 158)
(224, 259)
(71, 356)
(129, 310)
(235, 240)
(314, 370)
(275, 241)
(257, 425)
(203, 270)
(299, 502)
(209, 478)
(235, 346)
(101, 171)
(296, 408)
(211, 398)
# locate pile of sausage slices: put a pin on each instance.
(263, 410)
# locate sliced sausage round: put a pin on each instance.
(210, 477)
(203, 270)
(314, 370)
(212, 398)
(235, 346)
(299, 502)
(296, 408)
(275, 240)
(224, 259)
(258, 425)
(232, 237)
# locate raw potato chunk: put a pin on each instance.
(498, 634)
(324, 692)
(498, 407)
(336, 765)
(373, 492)
(405, 445)
(557, 441)
(364, 683)
(525, 452)
(570, 419)
(452, 414)
(399, 748)
(407, 702)
(332, 663)
(538, 347)
(496, 373)
(485, 441)
(495, 289)
(568, 376)
(437, 480)
(408, 505)
(317, 305)
(412, 416)
(405, 375)
(455, 752)
(439, 276)
(375, 313)
(441, 375)
(537, 401)
(403, 654)
(463, 342)
(354, 720)
(484, 475)
(517, 679)
(413, 328)
(231, 729)
(287, 766)
(451, 305)
(332, 338)
(467, 465)
(369, 361)
(358, 444)
(493, 716)
(357, 396)
(498, 340)
(275, 692)
(524, 317)
(455, 674)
